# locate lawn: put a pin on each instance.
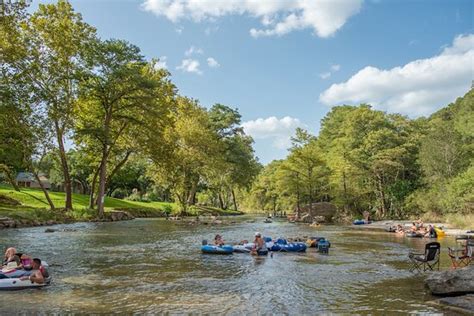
(35, 207)
(35, 198)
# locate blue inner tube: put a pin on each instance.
(359, 222)
(222, 250)
(291, 247)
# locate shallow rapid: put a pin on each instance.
(152, 265)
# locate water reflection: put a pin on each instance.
(156, 266)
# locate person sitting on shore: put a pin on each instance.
(39, 273)
(218, 241)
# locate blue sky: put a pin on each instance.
(283, 64)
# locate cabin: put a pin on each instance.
(28, 180)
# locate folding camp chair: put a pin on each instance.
(427, 260)
(462, 257)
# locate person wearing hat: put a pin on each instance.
(259, 244)
(218, 241)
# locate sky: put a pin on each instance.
(283, 64)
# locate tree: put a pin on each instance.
(46, 51)
(238, 166)
(192, 153)
(123, 100)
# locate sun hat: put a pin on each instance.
(11, 266)
(257, 234)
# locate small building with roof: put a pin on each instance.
(28, 180)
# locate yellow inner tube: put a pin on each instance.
(440, 232)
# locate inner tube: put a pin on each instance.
(218, 250)
(360, 222)
(414, 235)
(290, 247)
(439, 232)
(241, 249)
(11, 284)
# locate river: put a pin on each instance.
(153, 265)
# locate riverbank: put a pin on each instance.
(384, 225)
(29, 208)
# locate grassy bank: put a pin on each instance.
(32, 206)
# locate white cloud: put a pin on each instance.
(335, 67)
(277, 17)
(325, 75)
(417, 88)
(190, 65)
(278, 130)
(161, 63)
(193, 50)
(211, 62)
(179, 30)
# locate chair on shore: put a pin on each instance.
(427, 260)
(462, 257)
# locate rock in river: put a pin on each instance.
(452, 282)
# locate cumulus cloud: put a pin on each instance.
(211, 62)
(278, 130)
(190, 65)
(417, 88)
(277, 17)
(193, 50)
(161, 63)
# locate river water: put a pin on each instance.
(155, 266)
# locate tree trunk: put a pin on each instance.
(221, 202)
(381, 193)
(191, 200)
(117, 168)
(91, 195)
(46, 194)
(64, 166)
(10, 178)
(234, 200)
(102, 180)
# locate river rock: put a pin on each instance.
(464, 302)
(50, 230)
(119, 216)
(452, 282)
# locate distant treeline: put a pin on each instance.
(364, 159)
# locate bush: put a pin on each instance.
(119, 193)
(137, 198)
(153, 196)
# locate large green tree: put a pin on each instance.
(123, 101)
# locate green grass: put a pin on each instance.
(35, 207)
(35, 198)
